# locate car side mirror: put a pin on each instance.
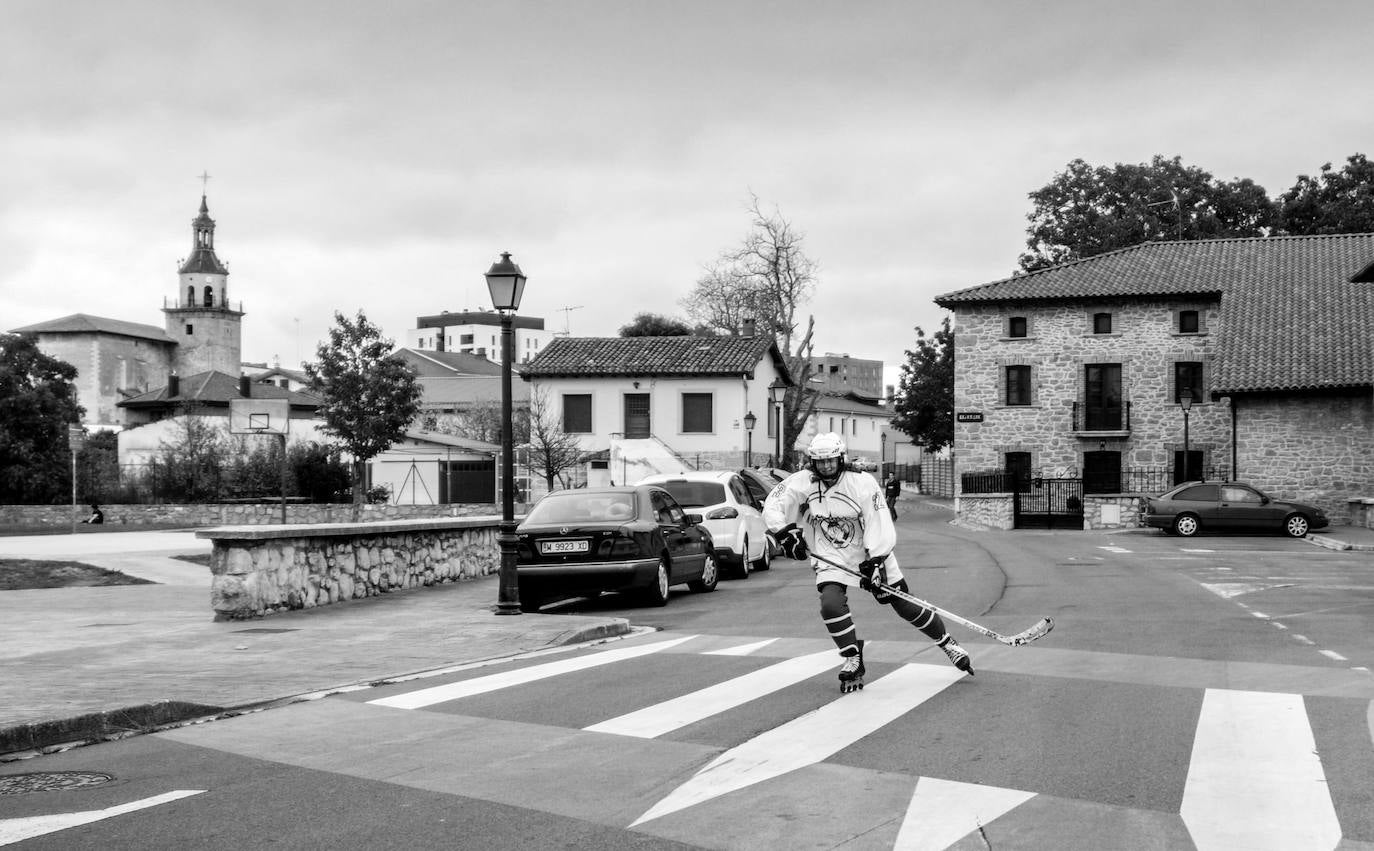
(694, 519)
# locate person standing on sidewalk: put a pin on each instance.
(892, 489)
(837, 513)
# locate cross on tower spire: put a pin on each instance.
(204, 181)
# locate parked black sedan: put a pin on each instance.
(1223, 506)
(588, 540)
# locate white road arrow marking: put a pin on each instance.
(742, 650)
(810, 738)
(944, 811)
(1255, 780)
(481, 685)
(653, 721)
(14, 830)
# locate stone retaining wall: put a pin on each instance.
(993, 510)
(259, 570)
(233, 514)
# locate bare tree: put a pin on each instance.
(551, 450)
(767, 278)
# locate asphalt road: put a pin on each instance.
(1204, 693)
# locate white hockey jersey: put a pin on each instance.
(846, 523)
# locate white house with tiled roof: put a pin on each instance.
(643, 405)
(1079, 370)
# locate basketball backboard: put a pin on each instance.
(259, 416)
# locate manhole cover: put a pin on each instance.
(50, 781)
(262, 630)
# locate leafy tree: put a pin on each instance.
(370, 395)
(767, 278)
(551, 450)
(655, 325)
(480, 420)
(924, 404)
(317, 470)
(97, 471)
(1332, 202)
(193, 457)
(1086, 210)
(37, 404)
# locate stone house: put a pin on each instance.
(644, 405)
(1080, 370)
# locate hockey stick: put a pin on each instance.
(1037, 630)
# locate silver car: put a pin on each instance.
(729, 511)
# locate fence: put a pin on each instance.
(1146, 480)
(936, 476)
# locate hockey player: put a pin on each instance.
(842, 515)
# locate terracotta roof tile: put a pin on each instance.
(1296, 312)
(680, 356)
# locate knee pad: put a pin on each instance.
(834, 600)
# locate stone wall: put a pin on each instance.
(1058, 347)
(256, 571)
(1118, 511)
(992, 510)
(253, 514)
(1317, 450)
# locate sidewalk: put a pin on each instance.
(81, 664)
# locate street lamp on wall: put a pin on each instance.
(749, 422)
(1185, 401)
(506, 283)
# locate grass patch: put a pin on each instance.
(21, 574)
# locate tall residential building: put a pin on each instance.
(841, 374)
(477, 332)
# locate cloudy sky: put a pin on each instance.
(378, 156)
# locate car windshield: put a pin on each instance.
(577, 507)
(695, 494)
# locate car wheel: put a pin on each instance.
(1296, 526)
(765, 559)
(710, 575)
(657, 594)
(1186, 525)
(742, 565)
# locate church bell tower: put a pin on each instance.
(206, 326)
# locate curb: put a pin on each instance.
(25, 741)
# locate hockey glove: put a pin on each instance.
(790, 542)
(873, 573)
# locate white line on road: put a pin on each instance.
(942, 812)
(1332, 654)
(492, 682)
(741, 650)
(811, 738)
(14, 830)
(1255, 780)
(653, 721)
(1115, 549)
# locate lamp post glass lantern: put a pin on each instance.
(749, 422)
(777, 392)
(506, 284)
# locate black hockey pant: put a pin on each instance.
(835, 614)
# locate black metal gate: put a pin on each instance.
(1049, 504)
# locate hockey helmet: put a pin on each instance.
(825, 447)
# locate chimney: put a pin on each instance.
(245, 386)
(749, 327)
(173, 385)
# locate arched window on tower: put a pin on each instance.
(209, 296)
(190, 296)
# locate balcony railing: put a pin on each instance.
(1096, 419)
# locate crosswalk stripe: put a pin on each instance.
(654, 721)
(1255, 780)
(481, 685)
(741, 650)
(944, 811)
(810, 738)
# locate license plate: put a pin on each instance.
(548, 547)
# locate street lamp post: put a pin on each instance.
(1185, 401)
(507, 285)
(882, 454)
(749, 422)
(776, 392)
